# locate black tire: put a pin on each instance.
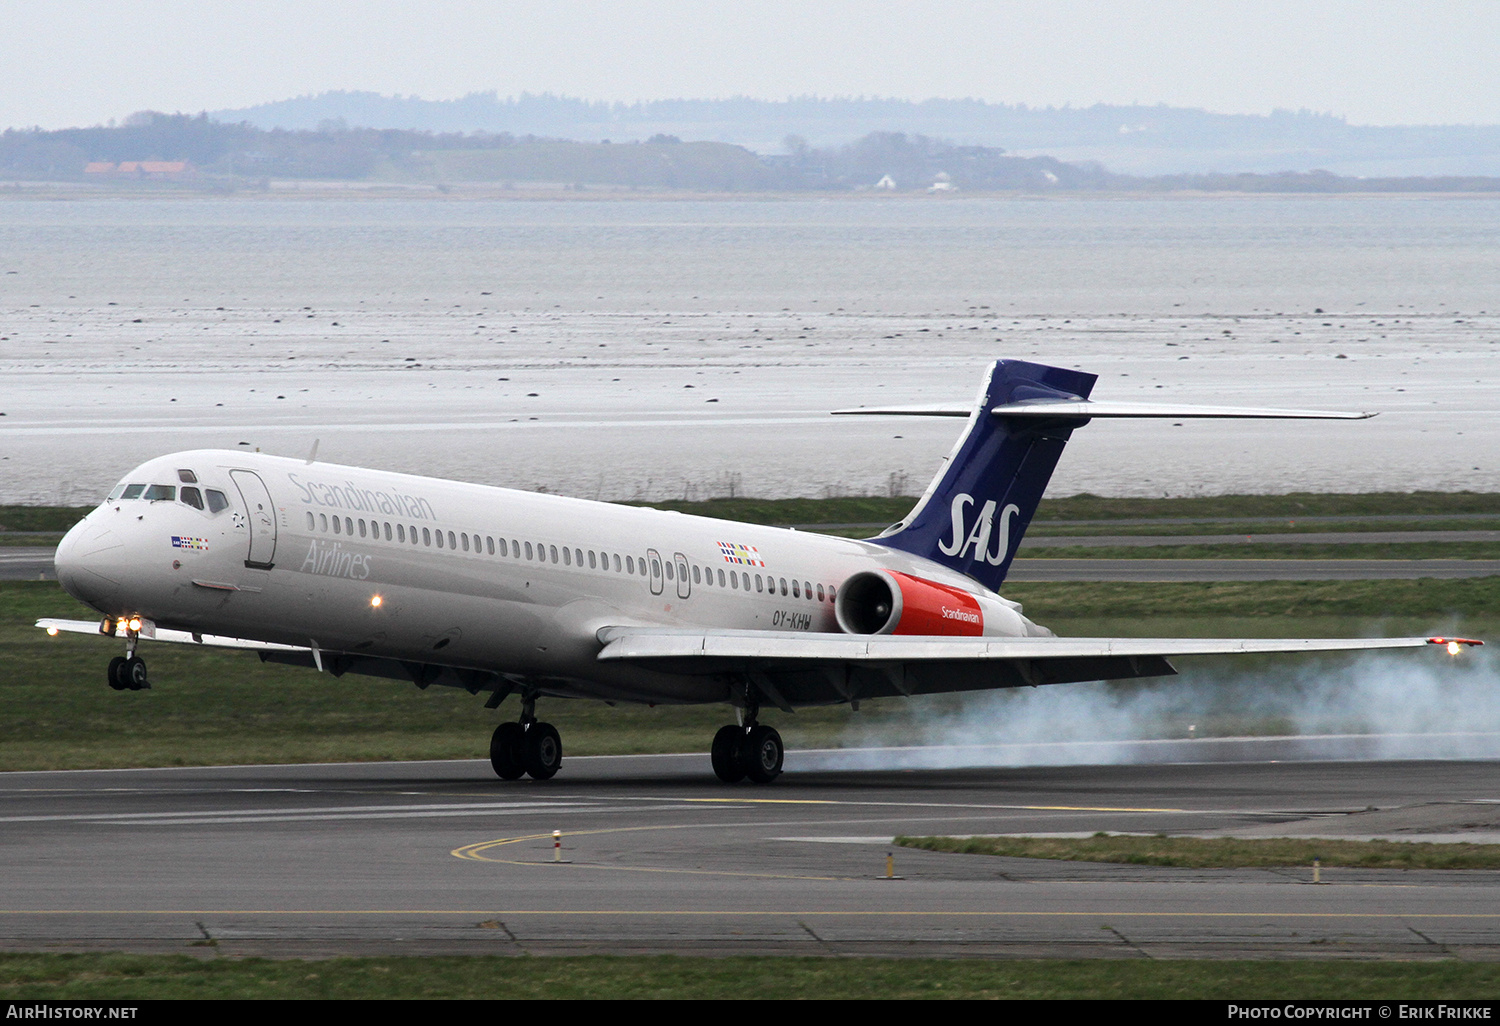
(116, 674)
(133, 673)
(761, 754)
(725, 754)
(505, 751)
(542, 751)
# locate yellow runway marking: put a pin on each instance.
(475, 852)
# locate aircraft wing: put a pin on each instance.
(53, 626)
(815, 668)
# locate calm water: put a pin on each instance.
(411, 334)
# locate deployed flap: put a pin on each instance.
(53, 626)
(663, 642)
(829, 669)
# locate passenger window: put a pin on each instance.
(411, 533)
(160, 493)
(617, 562)
(362, 528)
(630, 565)
(387, 532)
(528, 550)
(796, 591)
(807, 591)
(554, 553)
(312, 521)
(322, 517)
(427, 537)
(721, 578)
(593, 560)
(758, 586)
(820, 593)
(349, 526)
(830, 593)
(187, 477)
(194, 498)
(133, 491)
(783, 586)
(697, 575)
(567, 556)
(465, 537)
(337, 526)
(439, 538)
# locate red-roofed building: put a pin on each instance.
(156, 169)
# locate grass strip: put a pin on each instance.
(881, 509)
(157, 977)
(1221, 852)
(1351, 525)
(1274, 550)
(1460, 600)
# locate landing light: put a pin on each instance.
(52, 632)
(1454, 645)
(134, 624)
(375, 601)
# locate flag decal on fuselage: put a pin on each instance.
(741, 555)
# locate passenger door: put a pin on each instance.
(261, 515)
(658, 575)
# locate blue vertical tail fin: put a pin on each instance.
(974, 513)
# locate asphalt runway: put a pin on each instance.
(27, 563)
(426, 858)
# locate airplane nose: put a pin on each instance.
(84, 565)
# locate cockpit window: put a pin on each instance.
(217, 501)
(160, 493)
(193, 497)
(133, 491)
(114, 493)
(187, 477)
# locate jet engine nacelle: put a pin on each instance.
(890, 602)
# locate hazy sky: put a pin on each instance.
(72, 62)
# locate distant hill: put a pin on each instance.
(179, 150)
(1136, 139)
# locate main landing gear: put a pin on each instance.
(752, 751)
(128, 673)
(529, 747)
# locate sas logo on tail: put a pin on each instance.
(978, 537)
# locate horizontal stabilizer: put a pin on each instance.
(1083, 408)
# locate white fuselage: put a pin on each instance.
(365, 562)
